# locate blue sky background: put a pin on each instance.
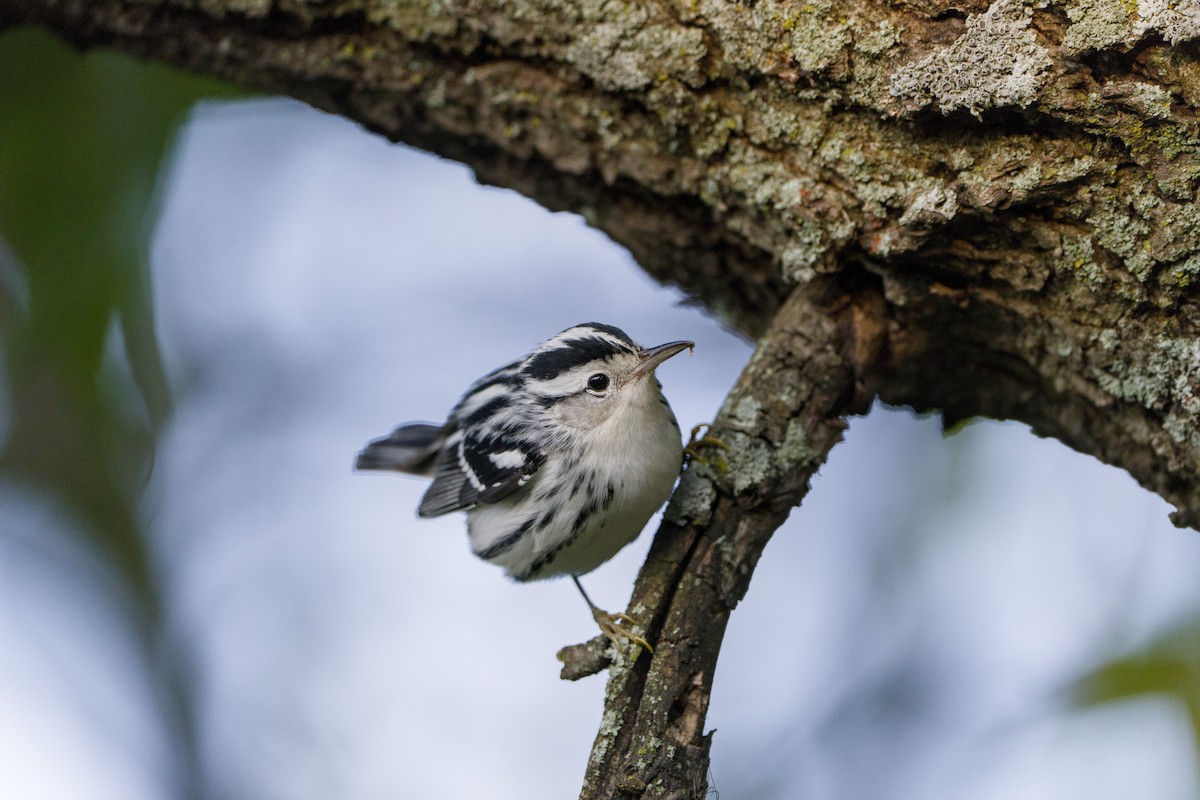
(912, 632)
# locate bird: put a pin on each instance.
(558, 458)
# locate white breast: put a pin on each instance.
(629, 465)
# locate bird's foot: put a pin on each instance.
(701, 439)
(611, 626)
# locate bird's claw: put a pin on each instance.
(610, 626)
(697, 440)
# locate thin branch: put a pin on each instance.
(780, 421)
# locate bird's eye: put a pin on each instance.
(598, 382)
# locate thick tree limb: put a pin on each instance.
(1022, 176)
(780, 422)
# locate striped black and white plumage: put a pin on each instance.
(559, 458)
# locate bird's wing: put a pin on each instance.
(478, 467)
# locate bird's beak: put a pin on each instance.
(656, 355)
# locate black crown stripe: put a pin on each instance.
(573, 353)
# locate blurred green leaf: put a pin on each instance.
(81, 141)
(1169, 665)
(82, 138)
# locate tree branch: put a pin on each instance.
(780, 422)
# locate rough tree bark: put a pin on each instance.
(981, 209)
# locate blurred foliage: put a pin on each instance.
(81, 141)
(1168, 665)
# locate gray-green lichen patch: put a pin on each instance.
(1101, 24)
(882, 180)
(1177, 20)
(1148, 234)
(622, 49)
(1122, 228)
(1018, 169)
(768, 201)
(692, 502)
(818, 33)
(1165, 380)
(778, 36)
(796, 450)
(610, 726)
(998, 62)
(749, 461)
(1184, 274)
(1098, 24)
(417, 20)
(745, 413)
(1177, 240)
(1077, 257)
(797, 42)
(801, 254)
(876, 39)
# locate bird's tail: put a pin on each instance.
(411, 448)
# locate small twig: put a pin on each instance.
(586, 659)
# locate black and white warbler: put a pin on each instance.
(559, 458)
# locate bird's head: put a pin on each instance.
(586, 375)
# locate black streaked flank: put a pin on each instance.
(544, 561)
(506, 543)
(583, 515)
(573, 353)
(547, 518)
